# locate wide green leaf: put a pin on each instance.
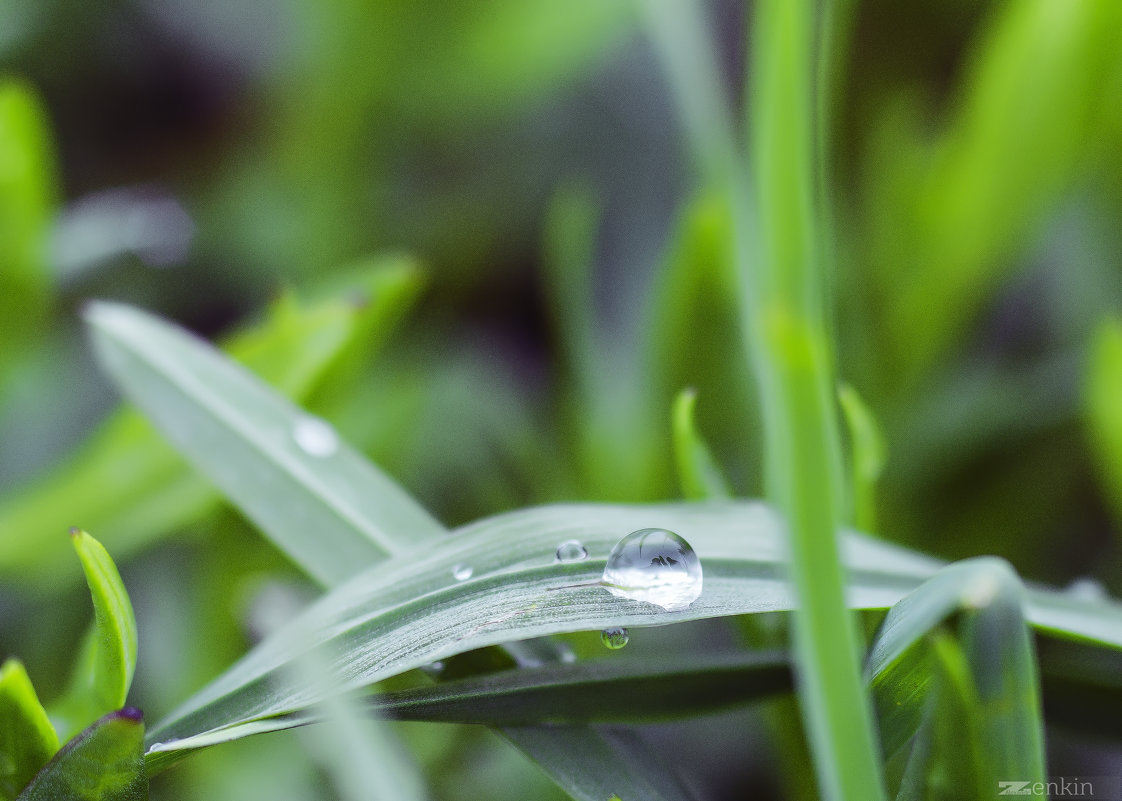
(265, 453)
(129, 485)
(27, 739)
(409, 611)
(105, 762)
(106, 662)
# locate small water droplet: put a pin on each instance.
(315, 437)
(156, 746)
(462, 572)
(571, 551)
(1086, 588)
(656, 566)
(433, 668)
(615, 638)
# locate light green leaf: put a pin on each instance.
(867, 456)
(105, 665)
(265, 453)
(27, 739)
(128, 484)
(103, 763)
(698, 472)
(1103, 394)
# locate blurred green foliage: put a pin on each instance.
(574, 283)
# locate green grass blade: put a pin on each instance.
(104, 669)
(27, 199)
(1102, 391)
(584, 761)
(247, 439)
(103, 763)
(358, 752)
(27, 739)
(601, 691)
(983, 682)
(129, 485)
(867, 456)
(698, 472)
(794, 364)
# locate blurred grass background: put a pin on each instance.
(200, 159)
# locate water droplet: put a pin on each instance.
(315, 437)
(571, 551)
(656, 566)
(1086, 588)
(462, 572)
(156, 746)
(433, 668)
(615, 638)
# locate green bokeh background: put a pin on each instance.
(528, 157)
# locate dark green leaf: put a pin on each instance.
(102, 763)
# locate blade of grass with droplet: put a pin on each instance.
(384, 505)
(241, 435)
(867, 455)
(698, 472)
(27, 738)
(104, 762)
(106, 662)
(409, 611)
(130, 486)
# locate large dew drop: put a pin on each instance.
(656, 566)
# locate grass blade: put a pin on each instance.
(103, 763)
(27, 739)
(584, 761)
(1102, 390)
(602, 691)
(698, 471)
(27, 189)
(106, 662)
(867, 455)
(267, 454)
(129, 485)
(978, 696)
